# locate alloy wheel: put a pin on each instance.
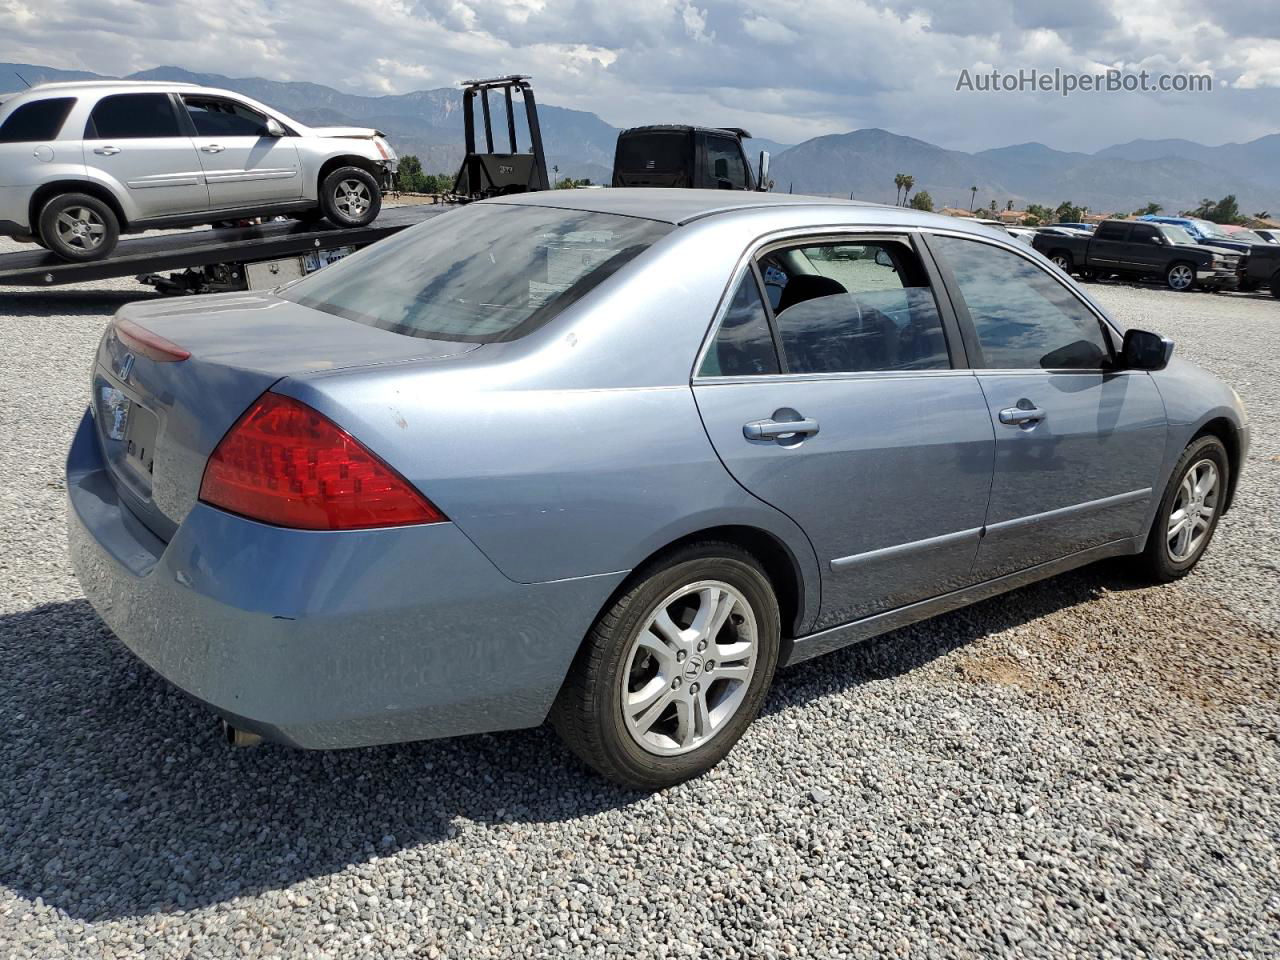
(1193, 511)
(1061, 262)
(352, 198)
(689, 668)
(1181, 277)
(80, 228)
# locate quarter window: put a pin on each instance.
(855, 307)
(36, 121)
(743, 344)
(1023, 317)
(217, 117)
(133, 116)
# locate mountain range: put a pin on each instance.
(1177, 173)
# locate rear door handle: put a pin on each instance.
(773, 429)
(213, 148)
(106, 151)
(1020, 416)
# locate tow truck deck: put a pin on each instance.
(231, 258)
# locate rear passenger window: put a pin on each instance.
(855, 307)
(1024, 318)
(36, 121)
(743, 344)
(1112, 231)
(133, 116)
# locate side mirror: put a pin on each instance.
(762, 181)
(1158, 240)
(883, 259)
(275, 128)
(1145, 351)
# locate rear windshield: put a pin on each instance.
(653, 153)
(36, 121)
(486, 273)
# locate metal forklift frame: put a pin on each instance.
(472, 170)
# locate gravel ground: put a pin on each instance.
(1080, 768)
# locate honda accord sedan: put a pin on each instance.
(613, 458)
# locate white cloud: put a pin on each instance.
(769, 31)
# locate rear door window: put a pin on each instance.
(855, 307)
(36, 121)
(133, 116)
(1112, 231)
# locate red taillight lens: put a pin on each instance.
(150, 345)
(286, 464)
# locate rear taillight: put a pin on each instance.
(286, 464)
(150, 345)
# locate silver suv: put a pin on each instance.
(81, 163)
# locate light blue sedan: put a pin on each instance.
(614, 457)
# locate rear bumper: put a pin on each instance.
(326, 640)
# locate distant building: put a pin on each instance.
(1011, 217)
(957, 212)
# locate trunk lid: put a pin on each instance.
(159, 420)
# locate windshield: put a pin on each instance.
(1178, 235)
(1211, 229)
(486, 273)
(1248, 236)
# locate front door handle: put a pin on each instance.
(1020, 415)
(213, 148)
(775, 429)
(106, 151)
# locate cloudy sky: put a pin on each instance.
(785, 69)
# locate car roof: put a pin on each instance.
(679, 206)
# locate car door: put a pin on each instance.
(135, 142)
(1108, 248)
(850, 410)
(1078, 443)
(244, 164)
(1148, 253)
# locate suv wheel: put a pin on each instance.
(78, 227)
(1063, 261)
(1180, 277)
(674, 671)
(349, 197)
(1189, 511)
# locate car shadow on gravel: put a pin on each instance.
(69, 303)
(118, 798)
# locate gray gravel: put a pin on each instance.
(1081, 768)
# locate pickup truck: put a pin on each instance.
(1129, 249)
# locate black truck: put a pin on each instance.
(678, 155)
(1148, 251)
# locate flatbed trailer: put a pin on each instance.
(232, 258)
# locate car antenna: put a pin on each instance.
(22, 78)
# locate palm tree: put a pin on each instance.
(897, 182)
(908, 182)
(973, 197)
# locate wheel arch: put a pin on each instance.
(1226, 432)
(348, 160)
(47, 191)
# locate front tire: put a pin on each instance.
(79, 228)
(1275, 285)
(1189, 511)
(1180, 277)
(674, 671)
(1063, 261)
(350, 197)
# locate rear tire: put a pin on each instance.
(1275, 285)
(1180, 277)
(1196, 493)
(649, 707)
(1063, 261)
(350, 197)
(79, 228)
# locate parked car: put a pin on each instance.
(83, 162)
(1205, 232)
(1144, 251)
(1025, 234)
(619, 474)
(1268, 235)
(1079, 227)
